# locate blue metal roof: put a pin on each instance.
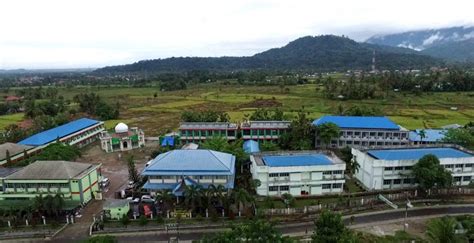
(296, 160)
(416, 154)
(431, 135)
(362, 122)
(50, 135)
(192, 162)
(251, 146)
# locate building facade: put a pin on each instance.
(196, 132)
(123, 139)
(78, 133)
(298, 173)
(76, 182)
(360, 132)
(391, 168)
(176, 169)
(263, 130)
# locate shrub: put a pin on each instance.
(125, 220)
(142, 221)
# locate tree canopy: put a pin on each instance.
(430, 174)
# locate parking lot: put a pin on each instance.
(114, 165)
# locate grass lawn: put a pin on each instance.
(6, 120)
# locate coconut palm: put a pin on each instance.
(442, 230)
(165, 197)
(58, 203)
(192, 194)
(422, 134)
(38, 204)
(241, 198)
(354, 167)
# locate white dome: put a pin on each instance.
(121, 128)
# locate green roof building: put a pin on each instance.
(76, 182)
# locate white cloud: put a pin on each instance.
(58, 33)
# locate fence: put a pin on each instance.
(366, 200)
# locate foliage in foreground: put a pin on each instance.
(254, 231)
(430, 174)
(101, 239)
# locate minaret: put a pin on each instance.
(373, 62)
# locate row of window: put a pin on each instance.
(373, 134)
(207, 133)
(36, 185)
(399, 181)
(335, 172)
(261, 132)
(287, 188)
(363, 143)
(398, 168)
(203, 177)
(462, 178)
(458, 166)
(279, 174)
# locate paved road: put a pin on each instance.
(300, 228)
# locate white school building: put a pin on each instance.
(298, 173)
(391, 168)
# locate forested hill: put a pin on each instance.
(318, 53)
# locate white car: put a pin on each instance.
(133, 200)
(147, 198)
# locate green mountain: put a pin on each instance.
(310, 53)
(461, 51)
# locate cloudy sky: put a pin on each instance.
(86, 33)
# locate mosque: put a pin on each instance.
(123, 139)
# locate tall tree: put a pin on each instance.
(132, 170)
(430, 174)
(327, 131)
(329, 228)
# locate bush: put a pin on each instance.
(125, 220)
(159, 220)
(142, 221)
(102, 239)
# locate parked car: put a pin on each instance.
(147, 198)
(105, 182)
(133, 200)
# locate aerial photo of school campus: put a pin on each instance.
(312, 129)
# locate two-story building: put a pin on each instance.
(196, 132)
(364, 131)
(76, 182)
(298, 173)
(78, 133)
(392, 168)
(263, 130)
(176, 169)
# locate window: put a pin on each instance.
(457, 178)
(273, 175)
(356, 142)
(388, 168)
(327, 172)
(467, 178)
(408, 167)
(326, 186)
(468, 165)
(399, 168)
(387, 182)
(459, 166)
(337, 185)
(449, 166)
(273, 188)
(357, 133)
(284, 188)
(397, 181)
(406, 181)
(284, 174)
(337, 172)
(349, 133)
(372, 134)
(349, 142)
(380, 134)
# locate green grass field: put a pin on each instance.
(157, 115)
(6, 120)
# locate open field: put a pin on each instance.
(162, 114)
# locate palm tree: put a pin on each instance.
(48, 204)
(165, 197)
(442, 230)
(192, 194)
(354, 167)
(38, 204)
(58, 203)
(422, 134)
(254, 184)
(288, 199)
(241, 197)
